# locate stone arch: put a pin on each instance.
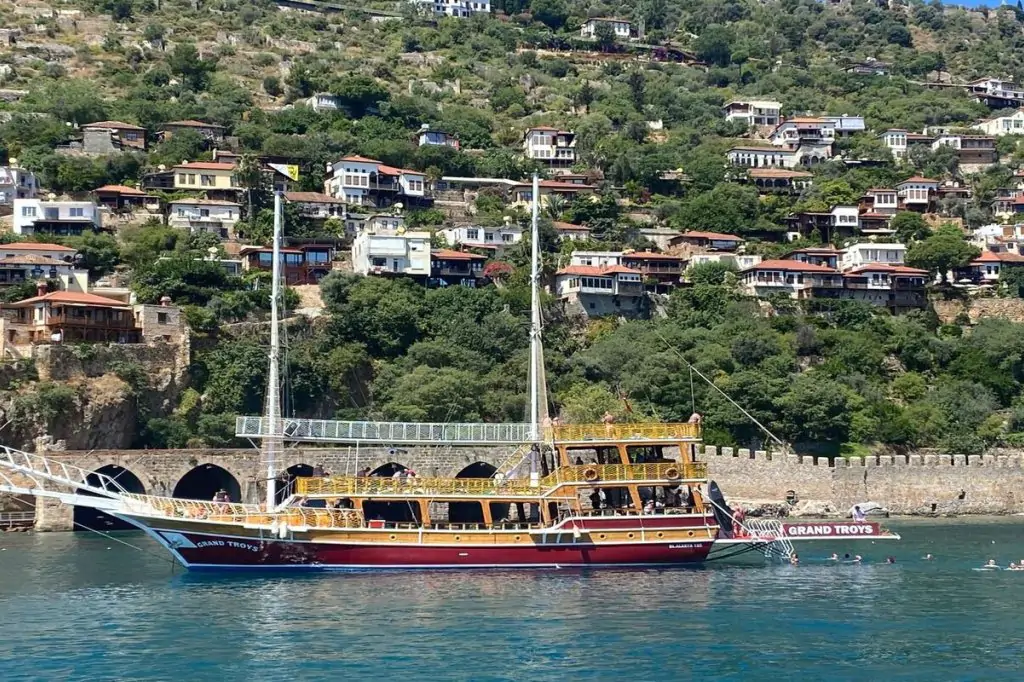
(395, 512)
(87, 518)
(286, 481)
(472, 512)
(246, 472)
(388, 469)
(202, 482)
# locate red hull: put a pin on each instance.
(218, 552)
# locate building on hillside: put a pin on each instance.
(988, 267)
(601, 259)
(1004, 202)
(597, 291)
(16, 183)
(754, 112)
(661, 272)
(25, 261)
(710, 241)
(826, 256)
(779, 180)
(996, 93)
(428, 136)
(550, 145)
(58, 218)
(870, 67)
(997, 126)
(457, 8)
(455, 268)
(754, 156)
(208, 131)
(972, 150)
(103, 137)
(811, 137)
(900, 141)
(522, 193)
(303, 265)
(918, 194)
(622, 28)
(478, 237)
(880, 200)
(792, 278)
(572, 232)
(392, 252)
(360, 181)
(205, 215)
(896, 287)
(839, 222)
(123, 199)
(217, 179)
(737, 261)
(858, 255)
(77, 317)
(316, 205)
(846, 126)
(662, 237)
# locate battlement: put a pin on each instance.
(1013, 460)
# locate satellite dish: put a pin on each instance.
(401, 229)
(51, 196)
(398, 206)
(13, 161)
(161, 167)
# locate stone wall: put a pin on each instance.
(913, 484)
(980, 308)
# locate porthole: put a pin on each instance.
(392, 537)
(457, 538)
(518, 538)
(660, 534)
(630, 535)
(689, 533)
(601, 536)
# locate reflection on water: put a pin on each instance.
(86, 608)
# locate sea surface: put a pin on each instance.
(77, 606)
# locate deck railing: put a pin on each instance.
(229, 512)
(620, 432)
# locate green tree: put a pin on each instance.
(604, 36)
(552, 13)
(97, 251)
(944, 250)
(910, 227)
(714, 45)
(194, 71)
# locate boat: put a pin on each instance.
(569, 495)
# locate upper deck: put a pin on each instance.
(420, 433)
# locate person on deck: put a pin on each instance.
(858, 515)
(695, 418)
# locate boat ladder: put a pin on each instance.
(512, 467)
(774, 543)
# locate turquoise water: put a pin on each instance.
(80, 607)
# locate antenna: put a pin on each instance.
(272, 439)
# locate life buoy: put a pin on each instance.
(590, 474)
(672, 473)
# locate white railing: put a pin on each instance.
(17, 518)
(383, 432)
(37, 466)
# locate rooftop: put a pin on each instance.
(595, 271)
(891, 269)
(191, 123)
(713, 236)
(570, 227)
(777, 173)
(113, 124)
(207, 165)
(33, 246)
(205, 202)
(449, 254)
(358, 159)
(1000, 257)
(312, 198)
(120, 189)
(70, 298)
(649, 255)
(792, 266)
(918, 178)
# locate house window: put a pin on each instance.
(204, 213)
(206, 180)
(191, 178)
(131, 135)
(488, 237)
(77, 212)
(181, 178)
(378, 262)
(161, 318)
(507, 238)
(472, 234)
(28, 211)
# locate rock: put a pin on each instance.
(818, 508)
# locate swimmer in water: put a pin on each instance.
(928, 557)
(856, 559)
(794, 559)
(890, 560)
(991, 564)
(834, 557)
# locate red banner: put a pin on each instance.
(830, 530)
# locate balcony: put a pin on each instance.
(126, 323)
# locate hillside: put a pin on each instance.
(651, 141)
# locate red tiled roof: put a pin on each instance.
(595, 271)
(792, 266)
(714, 236)
(207, 165)
(1019, 199)
(391, 170)
(120, 189)
(70, 298)
(1001, 257)
(32, 246)
(918, 178)
(804, 119)
(762, 148)
(542, 128)
(448, 254)
(359, 159)
(884, 267)
(31, 259)
(191, 123)
(312, 198)
(569, 226)
(113, 124)
(648, 255)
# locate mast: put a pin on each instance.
(272, 440)
(535, 317)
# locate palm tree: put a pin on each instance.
(555, 206)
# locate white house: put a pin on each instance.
(882, 200)
(791, 278)
(594, 291)
(601, 259)
(391, 252)
(859, 255)
(571, 231)
(438, 138)
(622, 28)
(205, 215)
(916, 192)
(360, 181)
(996, 91)
(24, 261)
(754, 112)
(550, 145)
(458, 8)
(316, 205)
(16, 183)
(483, 237)
(63, 218)
(845, 126)
(323, 101)
(762, 157)
(846, 217)
(803, 130)
(896, 140)
(1011, 124)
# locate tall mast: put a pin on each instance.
(272, 440)
(535, 316)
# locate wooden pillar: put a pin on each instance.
(485, 506)
(634, 492)
(424, 512)
(563, 455)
